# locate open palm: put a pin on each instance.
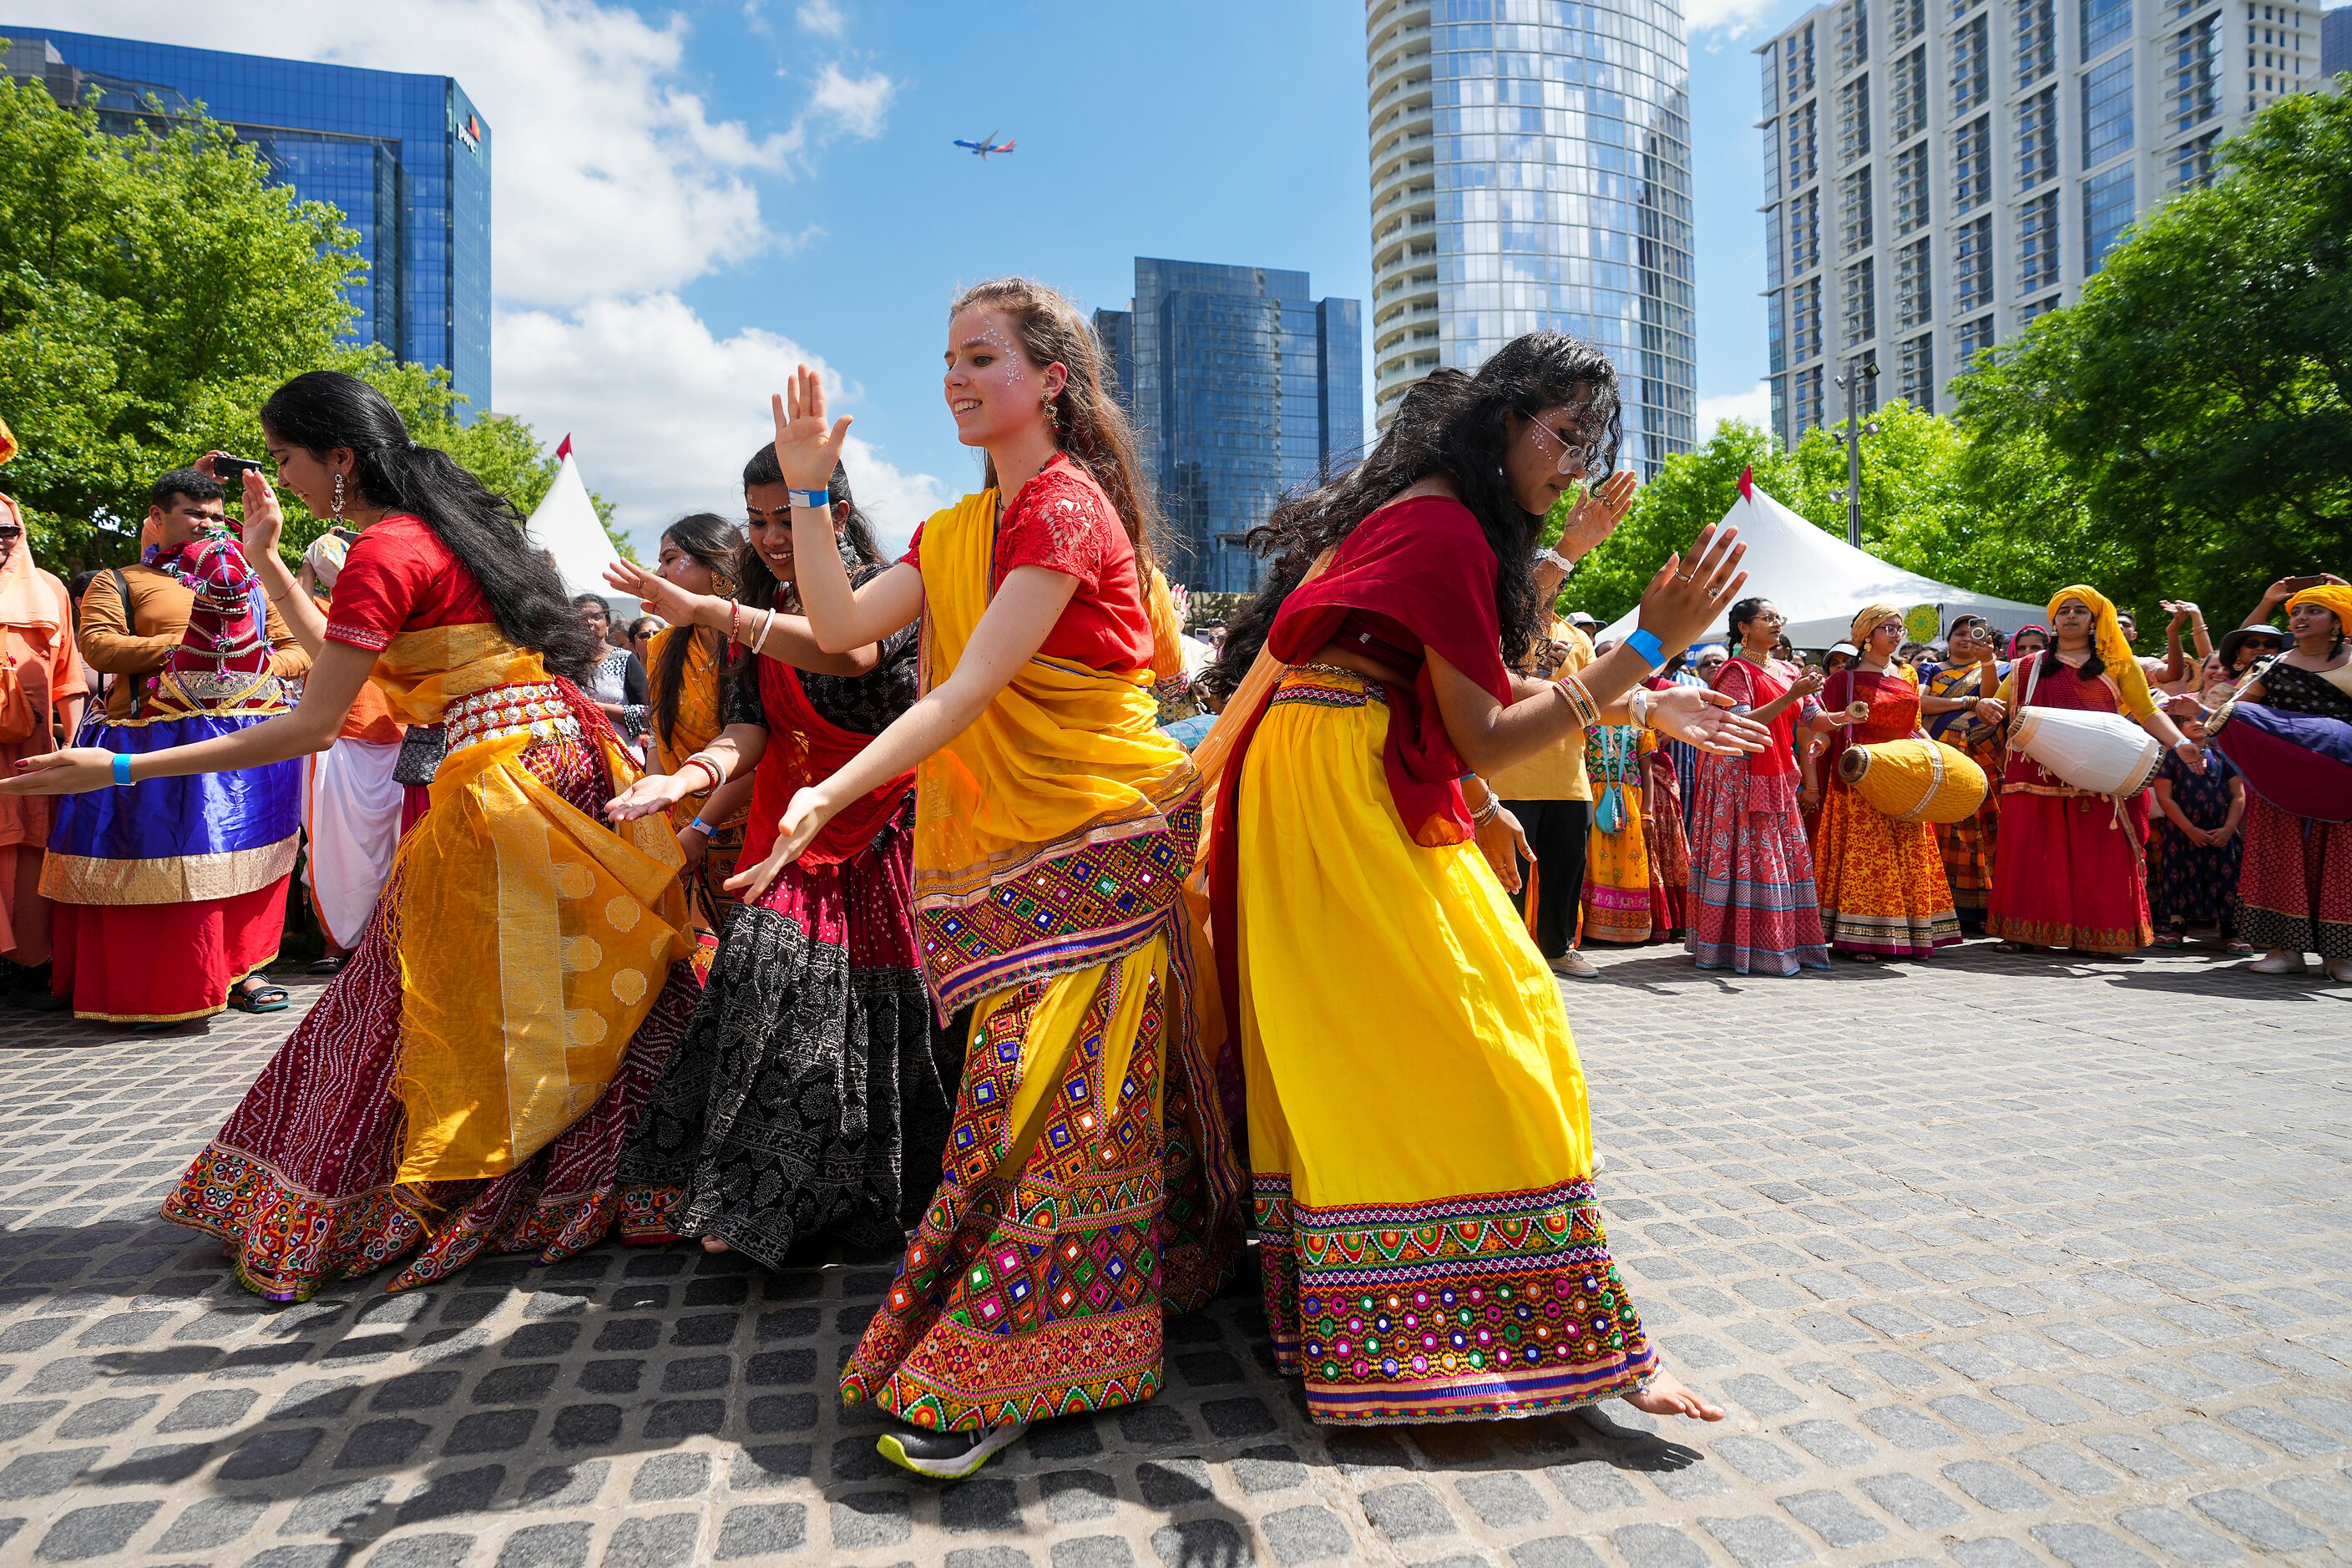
(807, 449)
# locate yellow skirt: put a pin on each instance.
(1420, 1143)
(1617, 905)
(1882, 882)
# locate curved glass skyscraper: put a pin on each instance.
(1531, 164)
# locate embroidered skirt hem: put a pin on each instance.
(1753, 908)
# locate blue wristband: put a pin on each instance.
(703, 828)
(121, 767)
(816, 501)
(1647, 644)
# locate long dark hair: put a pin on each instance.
(719, 545)
(1451, 423)
(1088, 423)
(1742, 614)
(323, 409)
(760, 586)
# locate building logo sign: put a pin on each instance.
(470, 133)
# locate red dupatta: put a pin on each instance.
(807, 748)
(1424, 563)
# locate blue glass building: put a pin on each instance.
(406, 158)
(1242, 386)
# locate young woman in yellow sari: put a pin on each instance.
(465, 1084)
(1089, 1179)
(1419, 1142)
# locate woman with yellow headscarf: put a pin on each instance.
(2072, 868)
(1880, 883)
(2295, 884)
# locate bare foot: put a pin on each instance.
(1666, 1395)
(712, 1243)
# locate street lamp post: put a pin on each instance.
(1851, 382)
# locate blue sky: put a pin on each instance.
(690, 197)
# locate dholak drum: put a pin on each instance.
(2099, 753)
(1914, 781)
(2300, 762)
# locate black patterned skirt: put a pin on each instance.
(811, 1068)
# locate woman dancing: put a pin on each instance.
(2072, 869)
(811, 1068)
(688, 689)
(1089, 1183)
(1881, 880)
(1418, 1137)
(1753, 906)
(481, 1057)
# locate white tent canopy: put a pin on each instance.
(1820, 580)
(565, 525)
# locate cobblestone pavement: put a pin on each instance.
(1999, 1261)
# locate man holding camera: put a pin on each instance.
(171, 894)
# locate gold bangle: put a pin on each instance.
(1580, 699)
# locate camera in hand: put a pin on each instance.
(231, 470)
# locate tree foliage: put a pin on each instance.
(154, 288)
(2190, 417)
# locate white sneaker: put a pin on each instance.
(1575, 965)
(2278, 964)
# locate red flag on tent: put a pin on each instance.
(565, 451)
(1747, 478)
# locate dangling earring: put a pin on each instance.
(1052, 416)
(338, 497)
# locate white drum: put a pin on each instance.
(2101, 753)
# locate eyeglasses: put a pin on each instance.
(11, 531)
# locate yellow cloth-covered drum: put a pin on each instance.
(1915, 781)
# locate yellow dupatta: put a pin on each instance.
(1054, 832)
(532, 938)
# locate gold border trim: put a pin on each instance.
(181, 880)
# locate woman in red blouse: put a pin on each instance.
(483, 1054)
(1089, 1183)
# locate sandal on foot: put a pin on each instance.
(2170, 939)
(947, 1455)
(330, 964)
(260, 999)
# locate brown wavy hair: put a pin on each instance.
(1091, 426)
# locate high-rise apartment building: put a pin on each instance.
(1242, 386)
(406, 158)
(2336, 40)
(1530, 168)
(1938, 172)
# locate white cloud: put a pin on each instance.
(1753, 406)
(611, 176)
(822, 16)
(695, 407)
(1733, 19)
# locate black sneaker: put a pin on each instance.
(29, 989)
(947, 1455)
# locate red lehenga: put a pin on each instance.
(467, 1083)
(2070, 870)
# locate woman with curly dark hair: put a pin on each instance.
(1419, 1137)
(481, 1057)
(687, 705)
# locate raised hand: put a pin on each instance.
(1596, 517)
(264, 520)
(1807, 684)
(652, 793)
(806, 449)
(657, 593)
(77, 770)
(1683, 600)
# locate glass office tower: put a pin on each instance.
(406, 158)
(1530, 168)
(1242, 386)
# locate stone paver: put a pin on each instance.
(1994, 1261)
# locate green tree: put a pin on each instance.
(155, 290)
(2186, 427)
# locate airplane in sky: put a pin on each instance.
(984, 146)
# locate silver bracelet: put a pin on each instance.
(1637, 705)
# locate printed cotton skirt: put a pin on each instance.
(1881, 881)
(808, 1086)
(299, 1183)
(1968, 844)
(1753, 908)
(1419, 1139)
(1073, 1210)
(2295, 889)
